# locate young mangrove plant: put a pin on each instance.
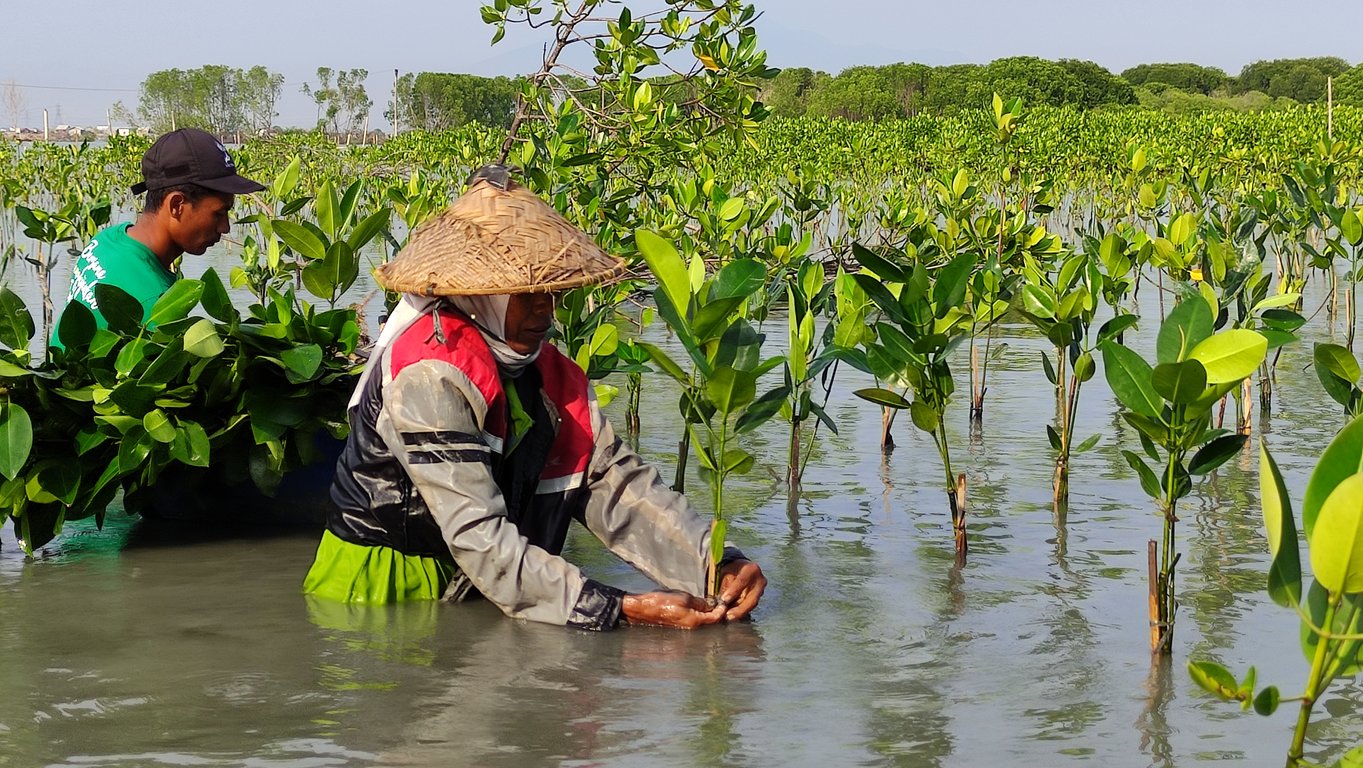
(810, 360)
(1170, 406)
(1062, 306)
(1332, 611)
(924, 322)
(719, 399)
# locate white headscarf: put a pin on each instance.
(486, 312)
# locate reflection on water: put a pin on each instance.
(143, 645)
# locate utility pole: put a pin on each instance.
(397, 107)
(45, 134)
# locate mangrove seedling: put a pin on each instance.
(924, 322)
(1170, 406)
(1332, 611)
(1339, 373)
(719, 399)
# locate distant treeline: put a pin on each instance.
(904, 90)
(225, 99)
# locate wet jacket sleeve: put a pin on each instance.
(641, 519)
(432, 418)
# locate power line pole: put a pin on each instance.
(397, 107)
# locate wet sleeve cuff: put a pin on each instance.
(598, 607)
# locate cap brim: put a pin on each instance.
(232, 185)
(139, 187)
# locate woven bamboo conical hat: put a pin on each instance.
(496, 240)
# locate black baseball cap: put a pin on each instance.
(192, 156)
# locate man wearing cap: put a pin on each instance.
(474, 443)
(190, 182)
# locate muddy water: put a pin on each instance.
(151, 644)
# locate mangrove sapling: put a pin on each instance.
(75, 222)
(926, 322)
(1332, 611)
(809, 360)
(1170, 406)
(719, 399)
(1062, 306)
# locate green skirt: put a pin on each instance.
(356, 573)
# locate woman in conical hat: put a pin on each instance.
(474, 443)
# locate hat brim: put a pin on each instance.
(232, 185)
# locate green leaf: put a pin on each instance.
(1087, 444)
(1046, 366)
(883, 397)
(122, 313)
(1214, 679)
(762, 409)
(133, 449)
(16, 324)
(158, 425)
(1187, 326)
(923, 416)
(77, 326)
(302, 240)
(1350, 227)
(202, 339)
(1180, 383)
(1149, 483)
(1266, 703)
(667, 266)
(1337, 360)
(16, 439)
(1130, 378)
(1216, 453)
(877, 265)
(1284, 572)
(1336, 544)
(1342, 458)
(1038, 301)
(369, 228)
(730, 389)
(1053, 437)
(1181, 229)
(1116, 326)
(166, 367)
(61, 479)
(302, 362)
(1232, 355)
(1084, 367)
(740, 277)
(666, 363)
(191, 445)
(215, 300)
(948, 292)
(176, 302)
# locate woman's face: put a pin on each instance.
(528, 318)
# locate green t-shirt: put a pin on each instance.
(113, 258)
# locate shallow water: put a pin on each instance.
(150, 644)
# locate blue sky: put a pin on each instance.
(71, 47)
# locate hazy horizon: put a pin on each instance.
(65, 59)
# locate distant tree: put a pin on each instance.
(1349, 87)
(909, 84)
(1098, 85)
(1299, 79)
(259, 90)
(956, 87)
(217, 98)
(342, 103)
(1192, 78)
(787, 94)
(857, 93)
(1037, 81)
(436, 101)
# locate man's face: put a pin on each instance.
(196, 226)
(528, 318)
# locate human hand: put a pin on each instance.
(671, 609)
(740, 587)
